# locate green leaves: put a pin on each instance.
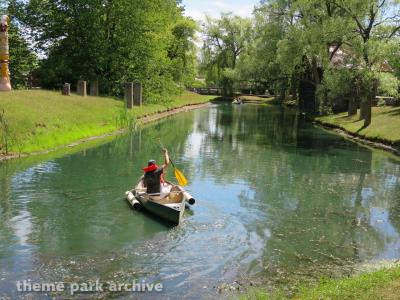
(23, 61)
(113, 42)
(334, 43)
(225, 40)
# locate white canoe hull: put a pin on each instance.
(170, 208)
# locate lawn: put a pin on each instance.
(41, 120)
(385, 124)
(383, 284)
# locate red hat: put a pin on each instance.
(150, 168)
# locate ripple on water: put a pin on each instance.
(278, 201)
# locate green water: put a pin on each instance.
(278, 200)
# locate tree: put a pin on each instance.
(260, 66)
(182, 51)
(111, 41)
(293, 38)
(336, 42)
(374, 22)
(23, 61)
(225, 39)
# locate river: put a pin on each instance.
(278, 201)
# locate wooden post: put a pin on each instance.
(129, 95)
(66, 90)
(81, 89)
(94, 88)
(138, 94)
(5, 84)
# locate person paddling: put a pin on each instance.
(153, 175)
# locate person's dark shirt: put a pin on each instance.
(152, 181)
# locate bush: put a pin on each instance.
(388, 85)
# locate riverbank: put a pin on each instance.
(383, 133)
(39, 121)
(383, 284)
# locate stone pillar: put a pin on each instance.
(5, 84)
(66, 90)
(81, 89)
(129, 95)
(94, 88)
(138, 94)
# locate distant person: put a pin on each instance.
(153, 175)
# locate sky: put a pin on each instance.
(197, 8)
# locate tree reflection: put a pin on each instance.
(302, 200)
(307, 189)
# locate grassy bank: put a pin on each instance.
(383, 284)
(385, 126)
(36, 120)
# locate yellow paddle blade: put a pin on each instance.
(180, 177)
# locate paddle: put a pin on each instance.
(178, 174)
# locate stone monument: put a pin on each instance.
(66, 90)
(81, 88)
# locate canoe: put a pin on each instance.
(170, 206)
(237, 102)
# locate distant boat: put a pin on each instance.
(169, 208)
(237, 101)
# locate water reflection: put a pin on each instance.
(278, 200)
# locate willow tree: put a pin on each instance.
(225, 39)
(374, 23)
(308, 48)
(182, 51)
(260, 65)
(293, 38)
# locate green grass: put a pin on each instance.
(385, 124)
(42, 120)
(383, 284)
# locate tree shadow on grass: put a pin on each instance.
(393, 112)
(361, 128)
(349, 119)
(345, 117)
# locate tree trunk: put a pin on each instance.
(367, 111)
(352, 103)
(314, 66)
(368, 105)
(282, 96)
(294, 87)
(352, 106)
(363, 107)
